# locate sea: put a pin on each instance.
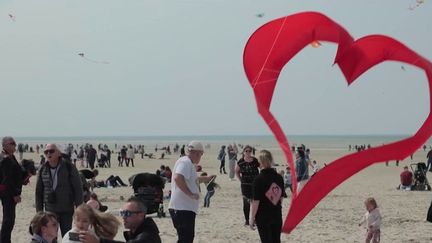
(316, 142)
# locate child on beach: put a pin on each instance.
(211, 186)
(105, 225)
(287, 179)
(372, 219)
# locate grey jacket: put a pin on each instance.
(68, 193)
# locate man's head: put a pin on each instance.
(133, 213)
(9, 145)
(52, 153)
(405, 167)
(196, 150)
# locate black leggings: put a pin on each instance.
(222, 166)
(270, 232)
(246, 209)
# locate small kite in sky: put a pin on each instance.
(418, 3)
(403, 68)
(260, 15)
(12, 17)
(91, 60)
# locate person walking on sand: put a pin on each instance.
(184, 202)
(302, 169)
(372, 219)
(246, 171)
(266, 206)
(221, 158)
(232, 159)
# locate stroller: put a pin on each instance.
(421, 182)
(103, 161)
(149, 188)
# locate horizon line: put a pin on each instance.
(204, 135)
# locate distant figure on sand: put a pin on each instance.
(211, 189)
(288, 179)
(429, 160)
(266, 206)
(232, 159)
(372, 219)
(302, 169)
(221, 158)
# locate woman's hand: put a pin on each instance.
(88, 237)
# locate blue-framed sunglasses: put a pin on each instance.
(127, 213)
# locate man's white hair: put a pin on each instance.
(6, 139)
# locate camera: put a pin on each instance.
(52, 197)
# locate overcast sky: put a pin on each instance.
(159, 67)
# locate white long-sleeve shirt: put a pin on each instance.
(372, 218)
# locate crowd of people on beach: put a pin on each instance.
(65, 200)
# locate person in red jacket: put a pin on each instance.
(406, 179)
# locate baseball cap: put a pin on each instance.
(195, 146)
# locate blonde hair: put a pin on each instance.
(372, 202)
(105, 225)
(265, 158)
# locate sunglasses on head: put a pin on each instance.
(49, 151)
(127, 213)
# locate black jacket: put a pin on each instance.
(11, 175)
(147, 232)
(69, 191)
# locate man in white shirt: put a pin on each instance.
(184, 201)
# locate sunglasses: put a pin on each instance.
(12, 143)
(248, 151)
(49, 151)
(127, 213)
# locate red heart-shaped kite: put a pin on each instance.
(275, 43)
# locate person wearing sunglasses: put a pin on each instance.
(10, 187)
(141, 229)
(246, 170)
(58, 187)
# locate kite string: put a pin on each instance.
(270, 51)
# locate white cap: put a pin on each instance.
(195, 146)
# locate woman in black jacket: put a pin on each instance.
(266, 206)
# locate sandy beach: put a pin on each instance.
(335, 219)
